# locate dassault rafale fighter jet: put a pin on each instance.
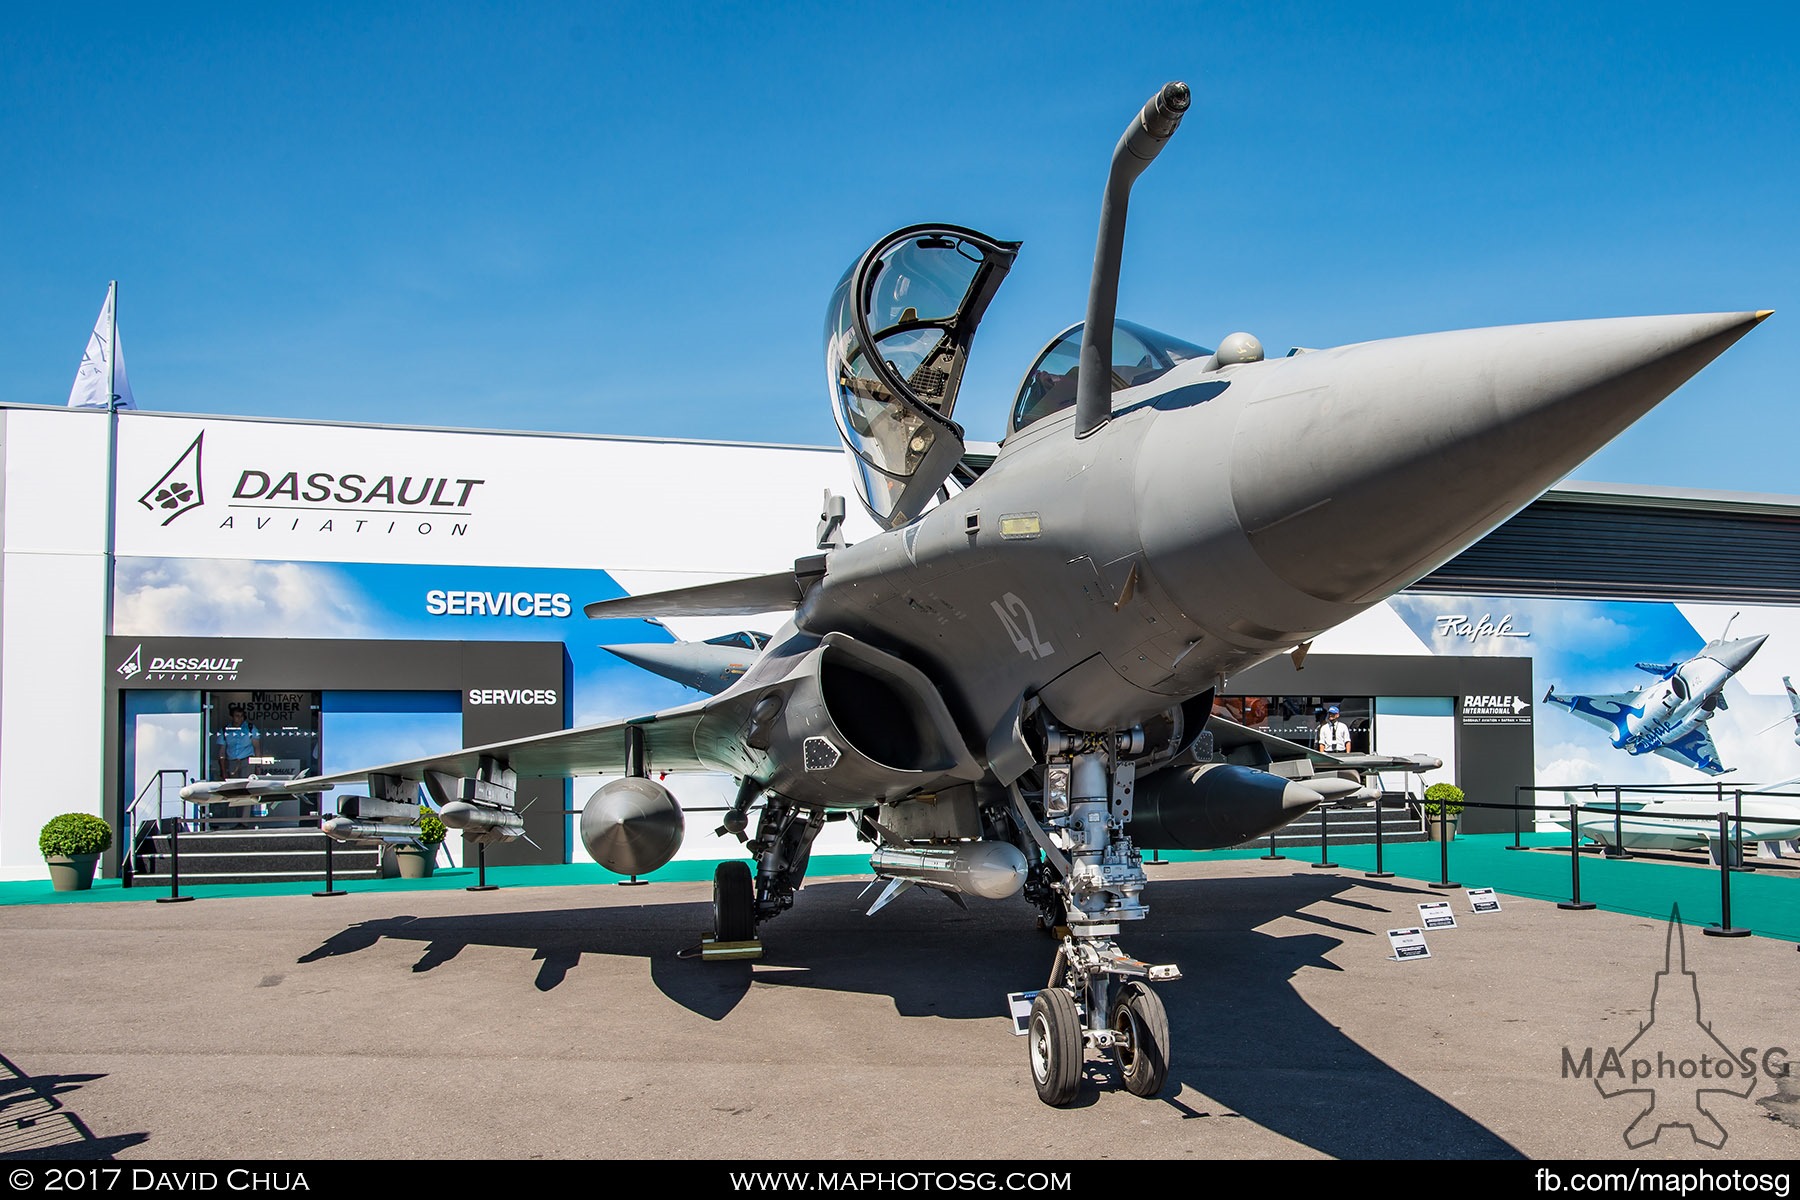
(1008, 690)
(1793, 699)
(710, 666)
(1669, 717)
(1680, 823)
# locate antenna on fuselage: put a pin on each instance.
(1143, 141)
(830, 530)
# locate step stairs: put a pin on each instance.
(249, 856)
(1350, 827)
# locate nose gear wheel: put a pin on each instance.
(1140, 1027)
(1055, 1037)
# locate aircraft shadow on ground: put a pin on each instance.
(1242, 1035)
(34, 1124)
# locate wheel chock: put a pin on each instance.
(711, 950)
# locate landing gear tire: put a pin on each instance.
(734, 903)
(1055, 1037)
(1142, 1050)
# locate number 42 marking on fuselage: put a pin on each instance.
(1026, 637)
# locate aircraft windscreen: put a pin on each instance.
(743, 640)
(1139, 356)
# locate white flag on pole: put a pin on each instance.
(101, 375)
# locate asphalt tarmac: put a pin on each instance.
(561, 1023)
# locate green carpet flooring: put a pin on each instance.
(1766, 902)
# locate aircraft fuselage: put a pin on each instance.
(1226, 514)
(1670, 710)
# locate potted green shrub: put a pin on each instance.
(1443, 810)
(418, 861)
(71, 844)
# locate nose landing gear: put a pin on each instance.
(1119, 1013)
(1091, 877)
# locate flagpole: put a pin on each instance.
(112, 459)
(112, 504)
(112, 359)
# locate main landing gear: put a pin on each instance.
(734, 903)
(742, 901)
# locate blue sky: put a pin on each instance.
(628, 219)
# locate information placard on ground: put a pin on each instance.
(1483, 900)
(1436, 914)
(1408, 943)
(1018, 1006)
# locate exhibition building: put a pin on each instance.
(182, 596)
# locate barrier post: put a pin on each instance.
(1443, 880)
(1271, 855)
(481, 883)
(331, 888)
(1738, 861)
(1324, 837)
(1725, 928)
(1617, 849)
(1517, 845)
(174, 896)
(1575, 901)
(1378, 873)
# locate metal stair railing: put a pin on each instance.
(128, 861)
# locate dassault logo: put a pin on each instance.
(179, 491)
(1459, 625)
(163, 668)
(324, 501)
(326, 490)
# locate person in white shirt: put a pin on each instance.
(1334, 735)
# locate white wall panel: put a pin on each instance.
(55, 481)
(1406, 725)
(1376, 630)
(51, 726)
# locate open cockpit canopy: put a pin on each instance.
(897, 338)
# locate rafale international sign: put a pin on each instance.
(1495, 710)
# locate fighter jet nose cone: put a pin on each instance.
(1360, 469)
(1737, 653)
(640, 656)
